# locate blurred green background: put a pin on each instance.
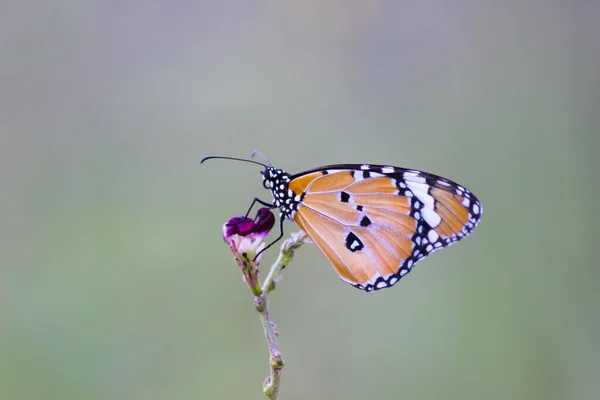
(115, 282)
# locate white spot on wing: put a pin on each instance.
(413, 176)
(420, 190)
(365, 167)
(476, 208)
(418, 186)
(387, 170)
(431, 217)
(433, 236)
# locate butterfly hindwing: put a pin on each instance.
(375, 222)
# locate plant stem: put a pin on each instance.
(271, 384)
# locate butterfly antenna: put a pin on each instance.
(231, 158)
(255, 152)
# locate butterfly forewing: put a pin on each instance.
(375, 222)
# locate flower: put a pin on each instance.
(246, 238)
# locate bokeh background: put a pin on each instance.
(115, 282)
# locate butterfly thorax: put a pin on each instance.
(277, 180)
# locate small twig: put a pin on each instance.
(271, 384)
(285, 257)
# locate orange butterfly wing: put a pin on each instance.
(373, 223)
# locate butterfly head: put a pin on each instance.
(277, 181)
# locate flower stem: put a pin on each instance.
(285, 257)
(271, 384)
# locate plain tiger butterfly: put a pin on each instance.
(372, 222)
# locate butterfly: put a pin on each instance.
(372, 222)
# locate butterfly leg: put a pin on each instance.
(274, 241)
(256, 200)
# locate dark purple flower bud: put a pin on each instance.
(264, 222)
(246, 238)
(245, 227)
(237, 226)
